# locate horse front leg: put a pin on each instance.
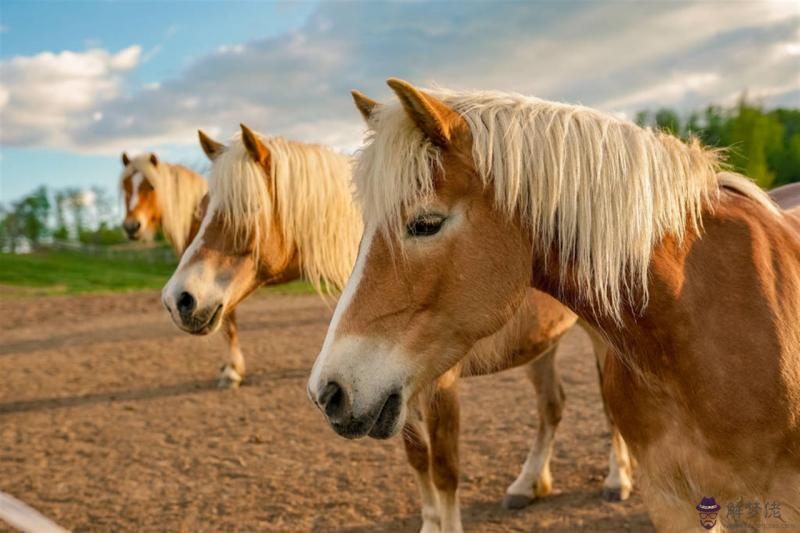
(415, 441)
(232, 373)
(535, 480)
(443, 419)
(618, 484)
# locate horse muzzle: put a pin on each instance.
(132, 227)
(186, 315)
(381, 421)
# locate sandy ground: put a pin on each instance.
(110, 420)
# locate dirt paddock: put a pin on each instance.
(110, 420)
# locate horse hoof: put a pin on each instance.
(229, 378)
(516, 501)
(615, 495)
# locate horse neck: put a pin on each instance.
(743, 271)
(173, 239)
(291, 271)
(178, 238)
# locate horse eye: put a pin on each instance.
(425, 226)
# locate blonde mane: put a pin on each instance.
(314, 198)
(598, 189)
(178, 193)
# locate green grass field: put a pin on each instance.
(66, 272)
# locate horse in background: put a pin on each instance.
(159, 194)
(170, 197)
(301, 222)
(279, 210)
(691, 277)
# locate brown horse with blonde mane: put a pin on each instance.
(162, 195)
(279, 210)
(691, 275)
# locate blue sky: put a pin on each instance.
(171, 35)
(82, 80)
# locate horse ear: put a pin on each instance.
(435, 118)
(125, 159)
(367, 106)
(211, 147)
(255, 147)
(259, 153)
(153, 160)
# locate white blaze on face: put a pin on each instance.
(196, 277)
(341, 307)
(136, 182)
(349, 290)
(368, 368)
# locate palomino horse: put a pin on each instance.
(159, 194)
(279, 210)
(692, 277)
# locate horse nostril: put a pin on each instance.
(186, 303)
(131, 226)
(333, 401)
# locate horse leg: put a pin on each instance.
(232, 373)
(415, 440)
(619, 483)
(443, 419)
(535, 480)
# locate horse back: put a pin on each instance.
(787, 197)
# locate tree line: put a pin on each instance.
(70, 214)
(762, 144)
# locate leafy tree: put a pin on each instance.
(692, 128)
(786, 162)
(76, 204)
(104, 235)
(31, 215)
(762, 145)
(713, 132)
(61, 231)
(9, 230)
(668, 120)
(754, 135)
(103, 205)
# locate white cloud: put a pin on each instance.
(620, 56)
(4, 96)
(231, 48)
(126, 59)
(45, 94)
(666, 91)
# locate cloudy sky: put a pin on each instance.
(82, 81)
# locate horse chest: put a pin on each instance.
(685, 451)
